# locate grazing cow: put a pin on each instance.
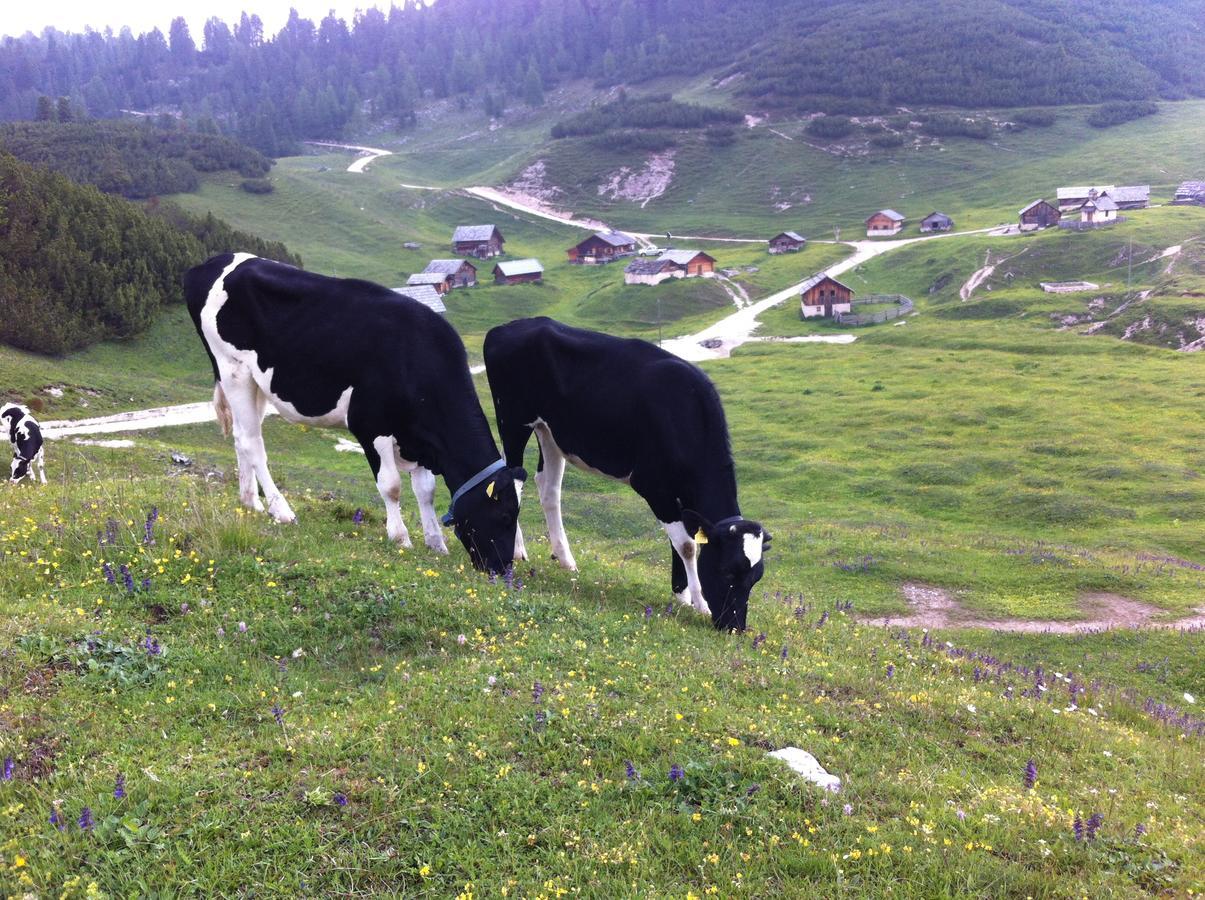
(631, 411)
(26, 438)
(332, 351)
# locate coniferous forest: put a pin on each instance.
(319, 79)
(78, 266)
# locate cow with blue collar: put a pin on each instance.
(344, 352)
(26, 438)
(630, 410)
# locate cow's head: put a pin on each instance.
(485, 518)
(730, 563)
(10, 415)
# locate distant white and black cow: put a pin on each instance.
(629, 410)
(331, 351)
(26, 438)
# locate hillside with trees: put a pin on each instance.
(133, 160)
(78, 266)
(320, 79)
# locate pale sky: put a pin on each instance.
(17, 17)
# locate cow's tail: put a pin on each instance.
(221, 408)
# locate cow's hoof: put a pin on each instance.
(683, 598)
(279, 510)
(703, 608)
(437, 543)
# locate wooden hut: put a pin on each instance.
(936, 221)
(823, 295)
(482, 241)
(693, 263)
(1039, 214)
(884, 222)
(787, 242)
(602, 247)
(518, 271)
(461, 272)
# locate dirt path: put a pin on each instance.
(981, 275)
(367, 154)
(136, 420)
(719, 340)
(934, 607)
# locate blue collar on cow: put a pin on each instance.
(450, 518)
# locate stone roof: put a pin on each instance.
(681, 257)
(446, 266)
(427, 278)
(819, 277)
(791, 235)
(1026, 209)
(1074, 193)
(614, 238)
(514, 267)
(1189, 190)
(937, 215)
(1132, 193)
(889, 213)
(424, 294)
(1103, 202)
(646, 266)
(469, 233)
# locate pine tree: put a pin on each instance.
(533, 85)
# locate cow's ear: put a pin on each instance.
(696, 526)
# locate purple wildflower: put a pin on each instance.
(1078, 827)
(785, 652)
(648, 612)
(85, 818)
(109, 576)
(962, 815)
(759, 640)
(221, 631)
(537, 691)
(146, 585)
(1031, 774)
(8, 768)
(541, 718)
(340, 799)
(278, 714)
(676, 772)
(56, 820)
(848, 809)
(358, 516)
(753, 789)
(119, 787)
(1139, 830)
(242, 627)
(630, 771)
(183, 608)
(890, 670)
(1094, 823)
(151, 645)
(823, 619)
(148, 528)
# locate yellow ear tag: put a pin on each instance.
(700, 537)
(489, 489)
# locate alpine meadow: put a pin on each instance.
(943, 264)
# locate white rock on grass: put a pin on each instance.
(807, 767)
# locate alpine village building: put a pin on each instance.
(518, 271)
(1136, 196)
(823, 295)
(602, 247)
(482, 241)
(884, 222)
(1098, 209)
(787, 242)
(936, 221)
(670, 264)
(461, 272)
(1039, 214)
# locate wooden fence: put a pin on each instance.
(901, 306)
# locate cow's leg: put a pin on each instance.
(548, 482)
(382, 456)
(688, 550)
(40, 460)
(422, 481)
(677, 580)
(520, 544)
(247, 407)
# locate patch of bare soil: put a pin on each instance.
(645, 184)
(935, 607)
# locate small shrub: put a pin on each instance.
(1119, 111)
(830, 127)
(946, 125)
(257, 186)
(1039, 118)
(888, 140)
(720, 136)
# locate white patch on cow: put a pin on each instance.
(520, 544)
(389, 486)
(688, 551)
(548, 483)
(422, 482)
(753, 546)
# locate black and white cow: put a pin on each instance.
(630, 410)
(26, 438)
(332, 351)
